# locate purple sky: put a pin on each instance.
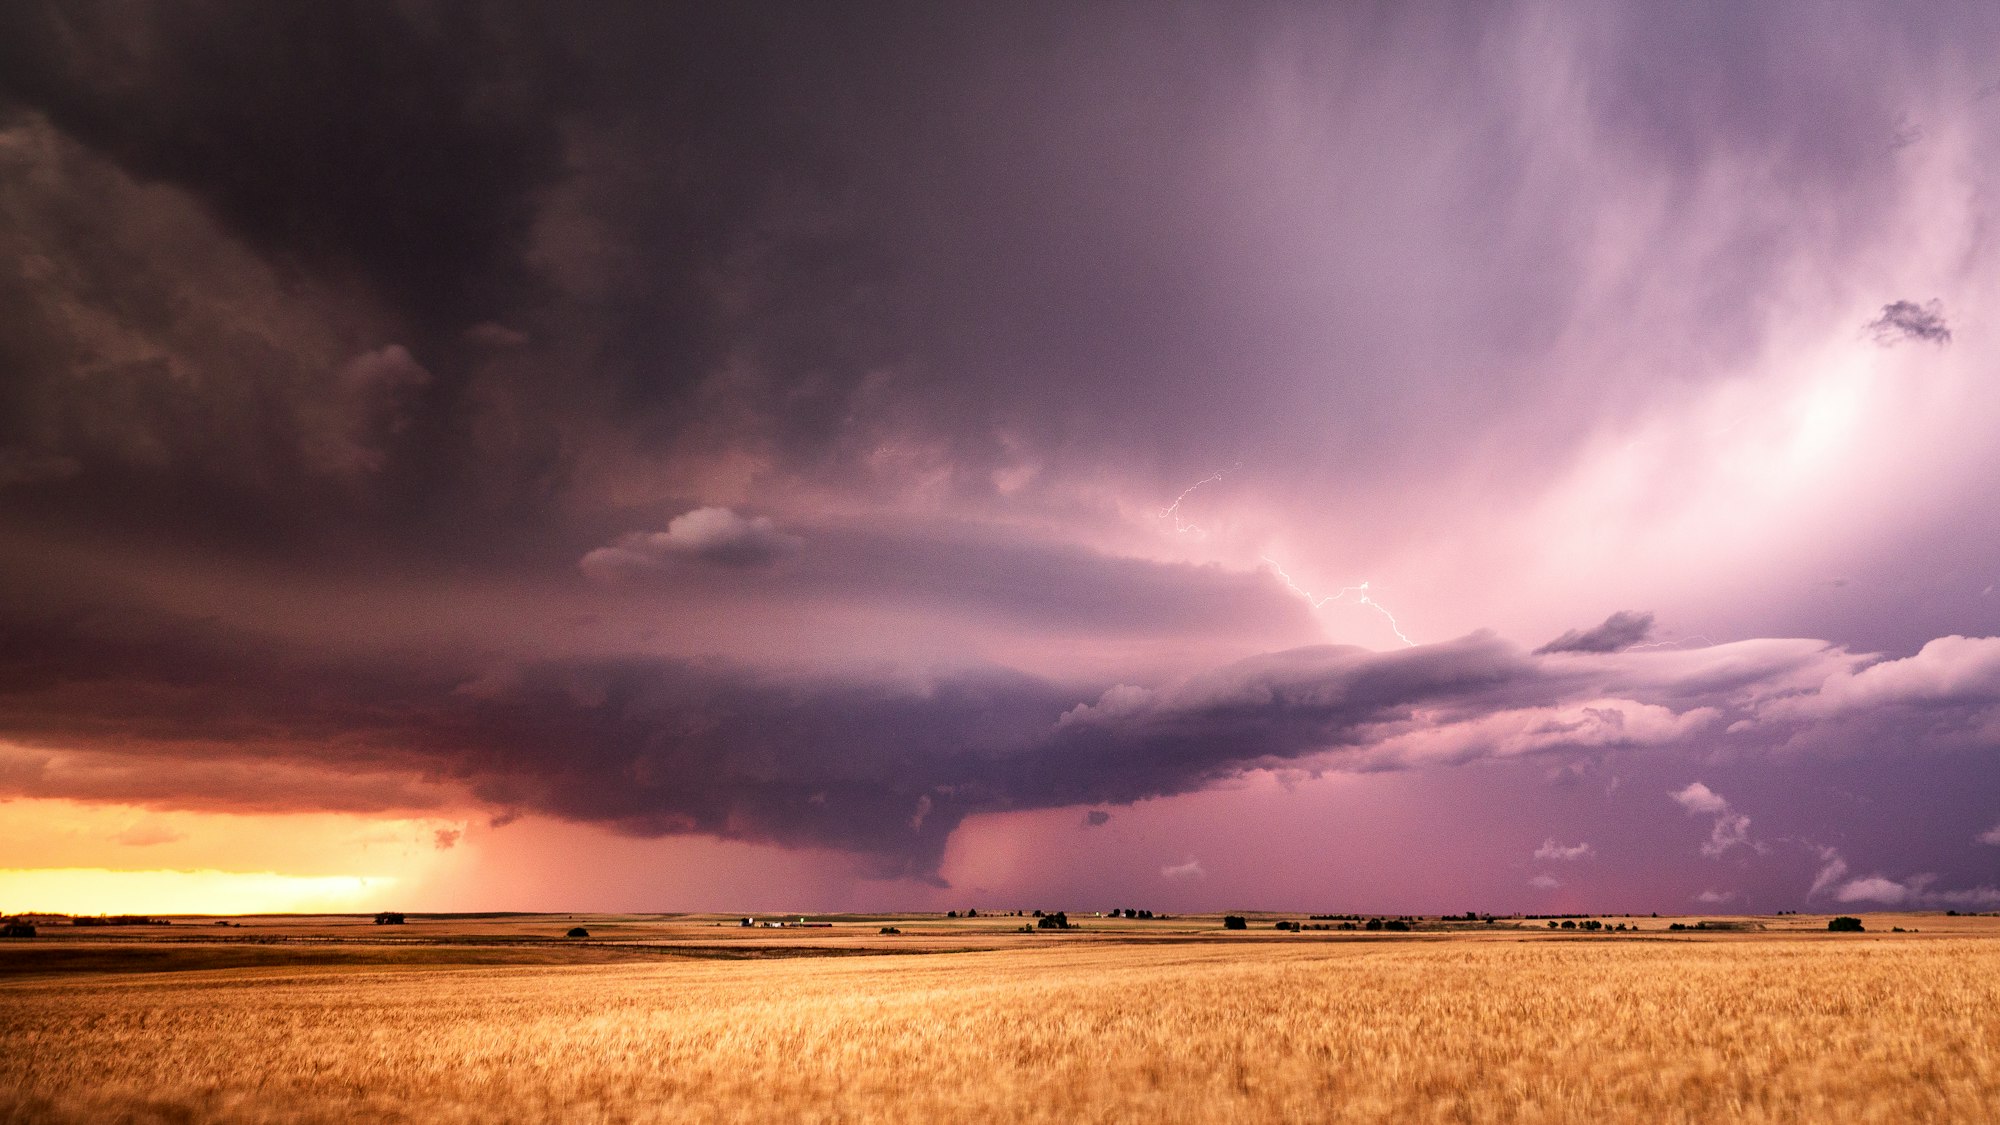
(1500, 457)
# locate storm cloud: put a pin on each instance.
(1619, 631)
(1908, 320)
(882, 768)
(804, 427)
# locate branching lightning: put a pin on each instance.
(1173, 510)
(1361, 592)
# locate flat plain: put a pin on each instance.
(697, 1018)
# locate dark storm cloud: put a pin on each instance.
(944, 568)
(128, 706)
(1108, 234)
(405, 140)
(1908, 320)
(1619, 631)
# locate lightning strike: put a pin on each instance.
(1173, 510)
(1317, 601)
(1361, 595)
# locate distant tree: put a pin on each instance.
(577, 931)
(972, 914)
(1373, 924)
(1292, 926)
(1568, 924)
(1552, 923)
(1845, 925)
(388, 918)
(1235, 922)
(954, 913)
(1397, 924)
(891, 930)
(17, 928)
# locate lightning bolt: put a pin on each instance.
(1173, 510)
(1361, 597)
(1316, 601)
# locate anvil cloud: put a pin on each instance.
(765, 426)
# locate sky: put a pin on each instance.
(653, 457)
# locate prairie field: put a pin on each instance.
(1512, 1026)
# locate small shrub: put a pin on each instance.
(894, 930)
(577, 931)
(1397, 924)
(1845, 924)
(1235, 922)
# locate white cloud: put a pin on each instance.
(1990, 836)
(1832, 870)
(1699, 798)
(1545, 882)
(1552, 850)
(1731, 828)
(1192, 869)
(716, 536)
(1874, 888)
(1713, 897)
(1946, 670)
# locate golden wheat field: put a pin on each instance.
(1514, 1027)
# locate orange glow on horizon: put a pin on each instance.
(79, 857)
(95, 890)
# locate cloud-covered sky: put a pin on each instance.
(1510, 457)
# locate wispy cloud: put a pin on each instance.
(1554, 851)
(1908, 320)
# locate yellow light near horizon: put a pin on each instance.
(97, 890)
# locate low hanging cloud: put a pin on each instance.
(1192, 869)
(883, 766)
(1616, 633)
(712, 536)
(1096, 818)
(1913, 892)
(1908, 320)
(1990, 836)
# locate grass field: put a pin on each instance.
(1168, 1023)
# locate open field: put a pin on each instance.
(683, 1019)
